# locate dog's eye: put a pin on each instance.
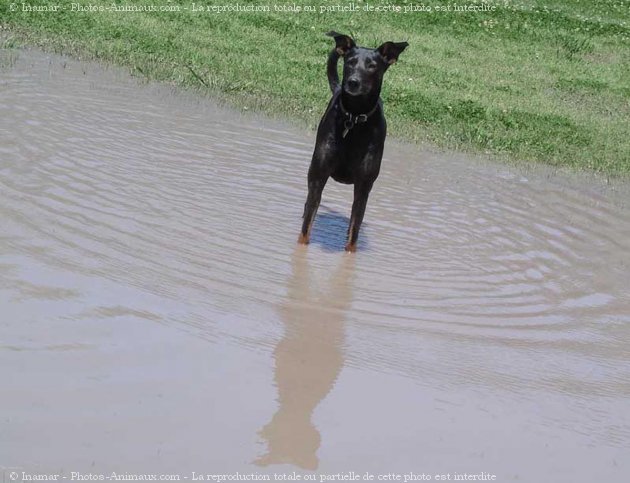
(352, 62)
(371, 67)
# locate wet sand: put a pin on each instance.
(157, 315)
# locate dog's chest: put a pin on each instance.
(349, 163)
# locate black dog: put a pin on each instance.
(351, 134)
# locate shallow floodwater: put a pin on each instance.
(157, 315)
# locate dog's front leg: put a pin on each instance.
(361, 193)
(316, 185)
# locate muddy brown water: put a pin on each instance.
(157, 315)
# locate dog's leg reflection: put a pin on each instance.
(308, 360)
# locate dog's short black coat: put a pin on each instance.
(351, 133)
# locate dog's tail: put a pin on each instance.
(333, 76)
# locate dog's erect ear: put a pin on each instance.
(344, 42)
(391, 50)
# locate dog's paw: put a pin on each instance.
(351, 247)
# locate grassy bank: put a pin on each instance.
(537, 80)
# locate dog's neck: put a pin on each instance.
(359, 104)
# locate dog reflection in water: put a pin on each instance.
(308, 360)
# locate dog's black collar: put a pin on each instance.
(351, 120)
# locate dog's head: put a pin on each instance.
(363, 68)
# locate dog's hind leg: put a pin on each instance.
(361, 193)
(315, 187)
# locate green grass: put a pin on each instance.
(546, 81)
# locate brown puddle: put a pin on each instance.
(157, 315)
